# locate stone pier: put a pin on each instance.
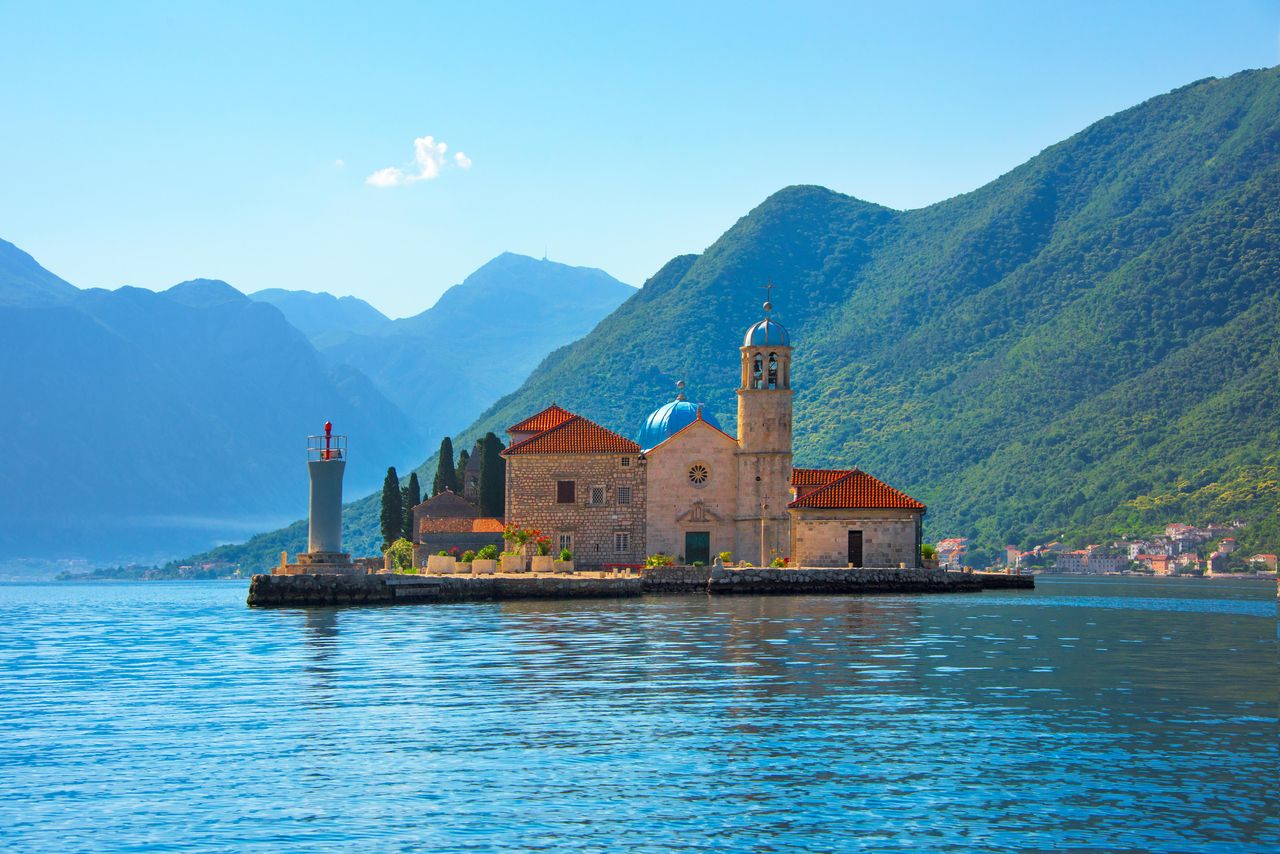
(277, 591)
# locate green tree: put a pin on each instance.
(446, 474)
(392, 509)
(461, 469)
(410, 497)
(493, 476)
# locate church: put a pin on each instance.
(686, 487)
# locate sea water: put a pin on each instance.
(1089, 714)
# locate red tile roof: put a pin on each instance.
(455, 525)
(552, 416)
(816, 477)
(856, 490)
(577, 435)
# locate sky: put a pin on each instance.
(386, 150)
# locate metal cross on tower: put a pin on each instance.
(768, 296)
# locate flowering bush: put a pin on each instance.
(468, 556)
(659, 560)
(779, 562)
(542, 544)
(726, 558)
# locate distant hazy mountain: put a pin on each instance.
(24, 282)
(318, 314)
(1089, 344)
(145, 424)
(480, 340)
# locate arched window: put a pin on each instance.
(773, 370)
(757, 370)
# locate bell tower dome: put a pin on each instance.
(764, 440)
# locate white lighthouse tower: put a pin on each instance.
(326, 462)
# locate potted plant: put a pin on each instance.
(441, 563)
(542, 559)
(565, 562)
(779, 563)
(486, 561)
(659, 559)
(929, 555)
(512, 561)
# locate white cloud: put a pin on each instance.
(429, 157)
(339, 163)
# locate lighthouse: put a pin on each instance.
(326, 463)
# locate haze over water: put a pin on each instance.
(1115, 714)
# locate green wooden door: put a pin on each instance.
(697, 547)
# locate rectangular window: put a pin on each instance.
(564, 541)
(597, 495)
(565, 492)
(624, 495)
(622, 542)
(626, 462)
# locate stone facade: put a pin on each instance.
(608, 532)
(889, 537)
(764, 453)
(682, 500)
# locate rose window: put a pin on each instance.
(698, 474)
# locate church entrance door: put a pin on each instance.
(855, 548)
(697, 547)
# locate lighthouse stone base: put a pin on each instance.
(320, 563)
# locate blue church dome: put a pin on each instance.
(767, 333)
(669, 419)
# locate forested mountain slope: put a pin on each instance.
(1084, 346)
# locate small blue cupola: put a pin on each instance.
(670, 418)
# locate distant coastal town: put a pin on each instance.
(1183, 550)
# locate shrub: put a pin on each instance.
(488, 553)
(542, 544)
(442, 553)
(565, 554)
(401, 552)
(779, 563)
(468, 556)
(698, 563)
(659, 560)
(726, 558)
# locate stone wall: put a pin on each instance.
(821, 537)
(675, 579)
(531, 501)
(828, 580)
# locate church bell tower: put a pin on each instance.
(764, 442)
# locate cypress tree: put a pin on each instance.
(460, 470)
(410, 497)
(446, 475)
(493, 477)
(392, 509)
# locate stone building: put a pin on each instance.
(849, 518)
(692, 490)
(578, 483)
(448, 522)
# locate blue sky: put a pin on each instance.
(145, 144)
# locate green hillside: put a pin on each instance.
(1085, 345)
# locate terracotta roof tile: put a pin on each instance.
(575, 436)
(486, 525)
(857, 490)
(816, 477)
(552, 416)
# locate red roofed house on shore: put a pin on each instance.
(852, 520)
(449, 522)
(691, 490)
(579, 484)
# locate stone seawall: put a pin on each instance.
(285, 591)
(835, 580)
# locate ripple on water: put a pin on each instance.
(1085, 715)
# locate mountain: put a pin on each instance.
(142, 424)
(1087, 345)
(25, 282)
(480, 340)
(318, 314)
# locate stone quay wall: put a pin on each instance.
(290, 591)
(756, 580)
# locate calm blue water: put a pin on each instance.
(1118, 715)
